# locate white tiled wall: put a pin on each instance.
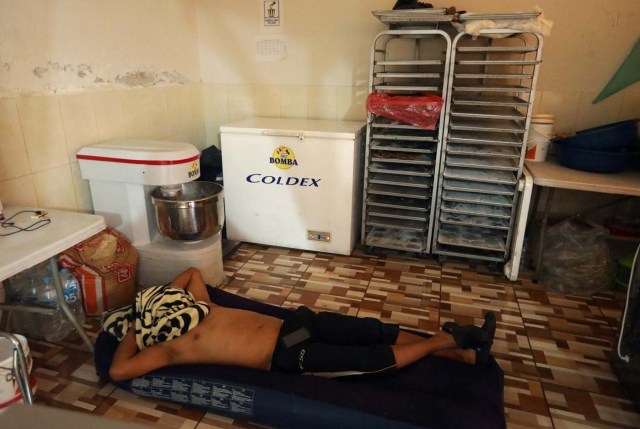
(40, 135)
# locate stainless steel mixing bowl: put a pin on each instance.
(194, 213)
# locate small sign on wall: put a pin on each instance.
(271, 13)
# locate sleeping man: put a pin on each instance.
(178, 324)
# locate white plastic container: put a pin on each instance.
(540, 135)
(9, 390)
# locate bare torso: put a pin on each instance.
(229, 336)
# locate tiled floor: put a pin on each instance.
(554, 349)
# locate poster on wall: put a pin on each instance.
(271, 13)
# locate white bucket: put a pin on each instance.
(540, 134)
(9, 389)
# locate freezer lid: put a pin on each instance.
(325, 129)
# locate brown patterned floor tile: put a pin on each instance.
(473, 300)
(416, 317)
(124, 405)
(575, 361)
(611, 303)
(512, 351)
(576, 408)
(336, 276)
(214, 421)
(324, 302)
(271, 294)
(272, 267)
(525, 405)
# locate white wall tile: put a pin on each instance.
(352, 102)
(630, 108)
(109, 115)
(216, 112)
(604, 112)
(145, 113)
(240, 102)
(564, 106)
(13, 150)
(323, 102)
(19, 192)
(43, 132)
(184, 109)
(54, 188)
(266, 101)
(79, 121)
(294, 101)
(82, 190)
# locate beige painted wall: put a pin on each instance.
(326, 71)
(74, 72)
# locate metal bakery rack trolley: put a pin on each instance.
(401, 161)
(488, 111)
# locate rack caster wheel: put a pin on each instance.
(442, 259)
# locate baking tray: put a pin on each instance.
(483, 150)
(397, 191)
(500, 88)
(499, 139)
(478, 221)
(412, 170)
(470, 16)
(402, 157)
(409, 225)
(480, 187)
(394, 213)
(486, 176)
(489, 125)
(414, 17)
(402, 146)
(466, 252)
(476, 238)
(476, 209)
(397, 202)
(493, 76)
(408, 62)
(386, 123)
(473, 198)
(401, 180)
(488, 112)
(489, 100)
(498, 62)
(482, 162)
(408, 75)
(413, 87)
(497, 49)
(395, 239)
(412, 133)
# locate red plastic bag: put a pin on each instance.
(421, 111)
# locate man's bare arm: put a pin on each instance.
(192, 281)
(129, 363)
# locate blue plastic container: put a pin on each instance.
(595, 161)
(610, 137)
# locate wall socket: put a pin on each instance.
(319, 236)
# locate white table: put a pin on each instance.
(28, 248)
(552, 175)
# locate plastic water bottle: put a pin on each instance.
(71, 288)
(54, 326)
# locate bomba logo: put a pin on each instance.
(284, 158)
(194, 170)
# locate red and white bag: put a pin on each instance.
(105, 265)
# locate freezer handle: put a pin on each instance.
(298, 134)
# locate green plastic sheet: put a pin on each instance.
(628, 74)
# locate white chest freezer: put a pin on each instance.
(293, 183)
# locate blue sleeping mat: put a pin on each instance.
(432, 393)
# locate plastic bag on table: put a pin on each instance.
(421, 111)
(576, 259)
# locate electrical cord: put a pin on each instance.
(38, 214)
(627, 358)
